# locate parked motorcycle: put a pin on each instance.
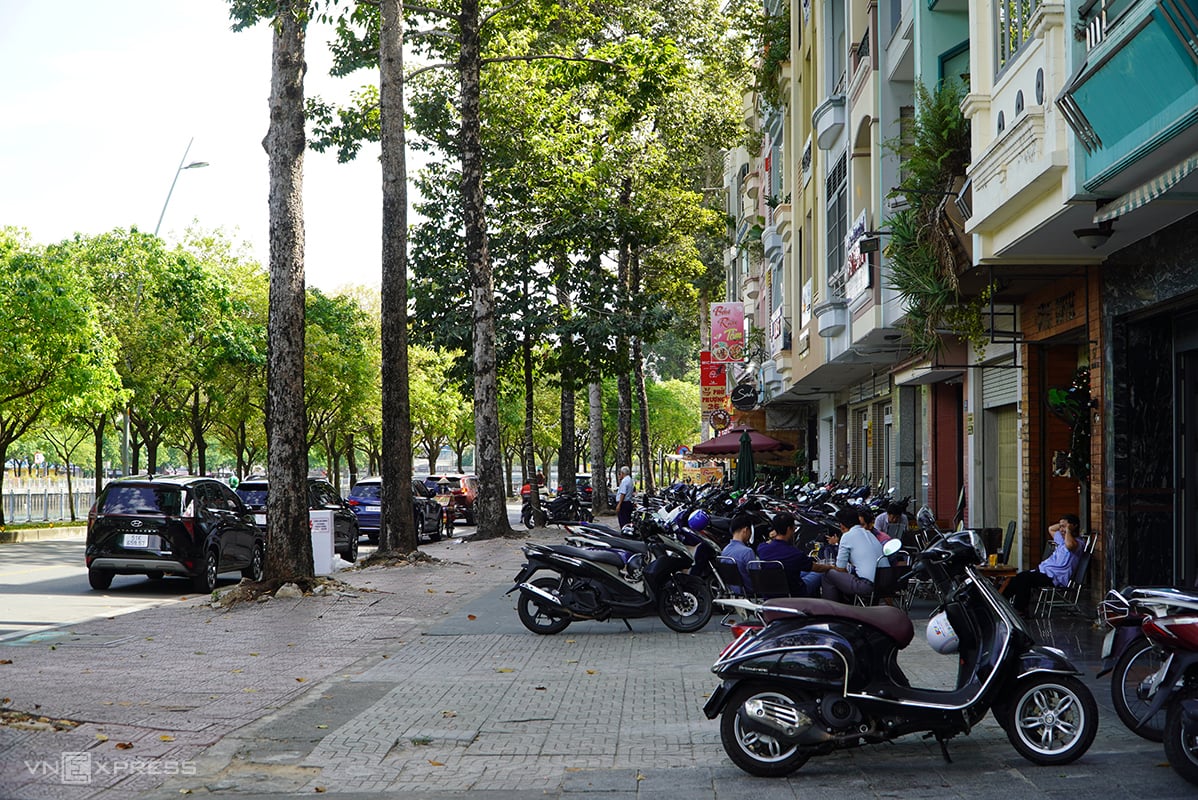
(561, 583)
(566, 507)
(824, 676)
(1130, 657)
(1174, 687)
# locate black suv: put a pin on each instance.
(321, 497)
(172, 525)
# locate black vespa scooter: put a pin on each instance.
(823, 676)
(562, 583)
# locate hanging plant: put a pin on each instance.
(925, 257)
(1073, 404)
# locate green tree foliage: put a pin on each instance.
(57, 357)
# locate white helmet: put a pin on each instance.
(941, 636)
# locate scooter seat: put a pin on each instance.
(891, 621)
(585, 554)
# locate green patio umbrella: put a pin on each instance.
(744, 462)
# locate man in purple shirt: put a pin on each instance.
(802, 580)
(1056, 570)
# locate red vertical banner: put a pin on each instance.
(727, 332)
(713, 384)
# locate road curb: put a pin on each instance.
(38, 534)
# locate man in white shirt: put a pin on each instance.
(856, 560)
(624, 497)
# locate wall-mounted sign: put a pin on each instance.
(727, 332)
(720, 419)
(858, 276)
(744, 397)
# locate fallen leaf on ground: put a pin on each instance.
(505, 669)
(590, 672)
(468, 616)
(571, 641)
(448, 714)
(166, 737)
(322, 727)
(319, 789)
(300, 680)
(431, 591)
(100, 737)
(436, 763)
(5, 660)
(124, 745)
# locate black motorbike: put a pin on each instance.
(562, 583)
(565, 507)
(823, 676)
(1130, 657)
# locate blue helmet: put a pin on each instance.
(698, 520)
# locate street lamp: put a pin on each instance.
(182, 166)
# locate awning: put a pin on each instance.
(1146, 193)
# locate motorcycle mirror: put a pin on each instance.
(891, 547)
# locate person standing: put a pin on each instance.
(856, 560)
(1056, 570)
(802, 579)
(624, 497)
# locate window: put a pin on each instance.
(1014, 27)
(838, 221)
(838, 46)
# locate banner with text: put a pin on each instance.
(713, 385)
(727, 332)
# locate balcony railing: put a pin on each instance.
(861, 51)
(1101, 16)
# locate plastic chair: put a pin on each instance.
(1008, 542)
(1068, 597)
(730, 578)
(768, 579)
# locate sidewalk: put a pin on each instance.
(428, 687)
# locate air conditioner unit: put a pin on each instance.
(896, 203)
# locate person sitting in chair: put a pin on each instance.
(1056, 570)
(803, 581)
(856, 560)
(739, 551)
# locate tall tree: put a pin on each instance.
(289, 550)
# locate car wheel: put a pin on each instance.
(435, 536)
(100, 579)
(204, 581)
(351, 552)
(257, 565)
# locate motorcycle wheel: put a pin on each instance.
(758, 753)
(684, 604)
(526, 517)
(535, 618)
(1181, 750)
(1052, 719)
(1135, 664)
(586, 514)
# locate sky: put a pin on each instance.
(100, 98)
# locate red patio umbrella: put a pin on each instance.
(728, 443)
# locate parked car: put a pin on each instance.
(321, 497)
(456, 492)
(582, 485)
(171, 525)
(365, 499)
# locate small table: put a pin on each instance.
(1000, 575)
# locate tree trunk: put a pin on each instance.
(642, 401)
(98, 431)
(197, 434)
(566, 458)
(598, 462)
(491, 504)
(351, 460)
(529, 450)
(623, 306)
(638, 367)
(289, 548)
(398, 530)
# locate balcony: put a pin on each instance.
(828, 120)
(750, 289)
(772, 243)
(782, 215)
(831, 318)
(753, 184)
(1144, 52)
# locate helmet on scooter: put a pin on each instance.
(941, 636)
(698, 520)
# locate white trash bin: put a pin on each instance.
(322, 541)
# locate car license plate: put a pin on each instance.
(137, 540)
(1108, 644)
